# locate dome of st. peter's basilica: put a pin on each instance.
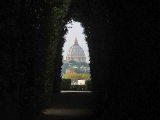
(76, 53)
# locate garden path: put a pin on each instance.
(71, 105)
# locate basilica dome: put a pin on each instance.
(76, 53)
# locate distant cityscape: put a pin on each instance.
(75, 60)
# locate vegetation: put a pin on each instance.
(78, 87)
(65, 84)
(31, 31)
(122, 40)
(88, 85)
(78, 67)
(75, 76)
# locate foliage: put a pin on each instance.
(88, 85)
(121, 36)
(72, 62)
(65, 84)
(30, 34)
(78, 87)
(76, 66)
(64, 67)
(75, 76)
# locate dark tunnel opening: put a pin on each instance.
(122, 37)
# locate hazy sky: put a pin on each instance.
(75, 32)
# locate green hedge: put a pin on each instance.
(65, 84)
(78, 87)
(88, 85)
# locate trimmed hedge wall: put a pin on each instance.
(78, 87)
(32, 33)
(65, 84)
(88, 85)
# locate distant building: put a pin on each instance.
(76, 53)
(77, 82)
(69, 70)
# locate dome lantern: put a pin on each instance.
(75, 42)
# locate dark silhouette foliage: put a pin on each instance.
(122, 38)
(29, 44)
(123, 47)
(65, 84)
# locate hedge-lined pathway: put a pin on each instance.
(71, 105)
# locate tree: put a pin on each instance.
(72, 61)
(64, 67)
(75, 65)
(75, 76)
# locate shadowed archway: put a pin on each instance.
(122, 40)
